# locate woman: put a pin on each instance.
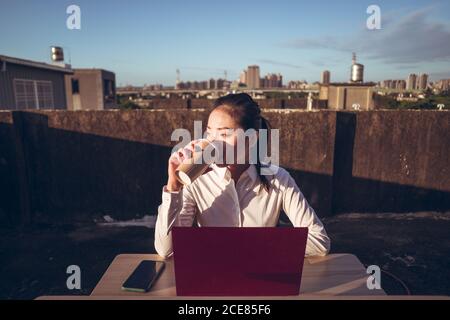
(235, 194)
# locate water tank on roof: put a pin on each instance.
(357, 71)
(57, 54)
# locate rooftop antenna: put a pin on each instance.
(70, 54)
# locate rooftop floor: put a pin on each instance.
(412, 247)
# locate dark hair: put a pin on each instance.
(247, 114)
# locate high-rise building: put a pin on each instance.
(253, 78)
(326, 77)
(220, 83)
(401, 85)
(272, 80)
(243, 77)
(393, 84)
(386, 84)
(278, 80)
(412, 80)
(263, 83)
(422, 81)
(212, 84)
(443, 84)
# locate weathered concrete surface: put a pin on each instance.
(307, 151)
(68, 165)
(399, 161)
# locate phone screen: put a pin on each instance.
(143, 276)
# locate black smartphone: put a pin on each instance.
(143, 276)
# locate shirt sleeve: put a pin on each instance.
(177, 209)
(302, 214)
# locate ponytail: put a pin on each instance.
(265, 124)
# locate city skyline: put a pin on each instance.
(143, 43)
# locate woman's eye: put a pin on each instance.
(227, 133)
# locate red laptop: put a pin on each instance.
(230, 261)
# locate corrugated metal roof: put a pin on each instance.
(34, 64)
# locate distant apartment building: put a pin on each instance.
(243, 77)
(211, 84)
(348, 96)
(152, 87)
(417, 82)
(272, 80)
(326, 77)
(253, 77)
(299, 84)
(393, 84)
(386, 84)
(443, 84)
(91, 89)
(422, 81)
(400, 85)
(31, 85)
(411, 82)
(220, 83)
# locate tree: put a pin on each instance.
(128, 105)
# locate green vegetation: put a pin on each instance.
(429, 103)
(125, 104)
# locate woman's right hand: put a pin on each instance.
(174, 161)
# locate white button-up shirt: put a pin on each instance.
(215, 200)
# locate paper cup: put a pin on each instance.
(195, 166)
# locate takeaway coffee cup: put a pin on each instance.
(192, 168)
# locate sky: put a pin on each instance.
(144, 42)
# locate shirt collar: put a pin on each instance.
(219, 171)
(224, 173)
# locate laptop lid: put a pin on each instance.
(238, 261)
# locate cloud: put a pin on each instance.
(279, 63)
(407, 67)
(326, 61)
(410, 39)
(319, 63)
(326, 42)
(440, 75)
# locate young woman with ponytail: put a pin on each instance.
(237, 194)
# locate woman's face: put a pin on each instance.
(224, 130)
(222, 127)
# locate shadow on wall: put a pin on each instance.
(355, 194)
(56, 175)
(66, 175)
